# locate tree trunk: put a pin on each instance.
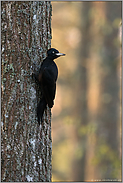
(98, 132)
(103, 160)
(26, 146)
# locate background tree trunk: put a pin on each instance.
(26, 147)
(101, 108)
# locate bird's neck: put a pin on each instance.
(50, 58)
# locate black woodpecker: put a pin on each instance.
(46, 78)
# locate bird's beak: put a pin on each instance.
(60, 54)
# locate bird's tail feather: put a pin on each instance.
(40, 109)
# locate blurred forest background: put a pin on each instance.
(86, 117)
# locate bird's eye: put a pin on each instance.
(53, 52)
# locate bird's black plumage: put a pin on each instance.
(47, 78)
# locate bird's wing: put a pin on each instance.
(49, 86)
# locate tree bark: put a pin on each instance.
(26, 146)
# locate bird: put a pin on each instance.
(46, 78)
